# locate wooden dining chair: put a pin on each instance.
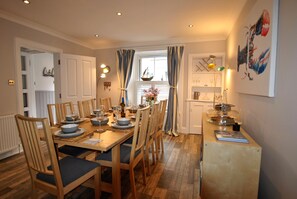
(48, 173)
(130, 156)
(67, 108)
(87, 107)
(55, 114)
(107, 103)
(151, 135)
(55, 118)
(159, 134)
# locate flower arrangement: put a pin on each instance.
(151, 93)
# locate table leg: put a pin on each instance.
(116, 172)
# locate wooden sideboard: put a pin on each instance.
(229, 170)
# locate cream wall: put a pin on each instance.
(9, 31)
(272, 121)
(108, 57)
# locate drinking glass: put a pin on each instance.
(100, 118)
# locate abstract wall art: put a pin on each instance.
(256, 55)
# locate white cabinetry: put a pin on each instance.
(196, 108)
(209, 84)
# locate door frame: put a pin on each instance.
(20, 42)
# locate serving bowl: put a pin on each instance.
(69, 128)
(96, 122)
(123, 121)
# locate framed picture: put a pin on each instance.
(256, 56)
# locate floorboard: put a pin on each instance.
(174, 176)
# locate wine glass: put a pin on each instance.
(100, 118)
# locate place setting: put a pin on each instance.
(72, 119)
(69, 130)
(122, 123)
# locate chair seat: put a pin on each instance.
(71, 168)
(124, 154)
(72, 150)
(129, 141)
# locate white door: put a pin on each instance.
(77, 78)
(28, 85)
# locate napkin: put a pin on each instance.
(92, 141)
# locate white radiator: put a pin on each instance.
(9, 136)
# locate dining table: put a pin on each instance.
(101, 142)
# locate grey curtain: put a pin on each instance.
(124, 70)
(174, 56)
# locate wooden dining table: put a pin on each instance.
(110, 139)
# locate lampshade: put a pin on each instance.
(212, 62)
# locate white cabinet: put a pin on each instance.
(195, 118)
(208, 82)
(196, 108)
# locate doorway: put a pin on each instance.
(35, 78)
(38, 89)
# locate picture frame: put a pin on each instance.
(256, 55)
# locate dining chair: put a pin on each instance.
(151, 135)
(107, 103)
(55, 114)
(86, 107)
(48, 172)
(67, 108)
(130, 156)
(55, 118)
(159, 134)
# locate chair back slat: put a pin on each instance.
(86, 107)
(140, 130)
(153, 121)
(106, 102)
(161, 115)
(67, 109)
(55, 114)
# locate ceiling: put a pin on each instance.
(143, 22)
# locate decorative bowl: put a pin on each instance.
(96, 122)
(123, 121)
(69, 128)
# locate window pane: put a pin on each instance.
(25, 99)
(26, 113)
(23, 63)
(24, 81)
(154, 66)
(148, 65)
(161, 68)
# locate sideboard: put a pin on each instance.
(229, 170)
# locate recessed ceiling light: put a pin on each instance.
(191, 26)
(26, 1)
(96, 35)
(119, 13)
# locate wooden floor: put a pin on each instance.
(176, 175)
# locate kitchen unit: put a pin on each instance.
(203, 84)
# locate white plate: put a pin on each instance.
(115, 125)
(67, 135)
(73, 122)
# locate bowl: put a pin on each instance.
(69, 128)
(96, 122)
(71, 117)
(123, 121)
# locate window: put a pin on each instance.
(156, 64)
